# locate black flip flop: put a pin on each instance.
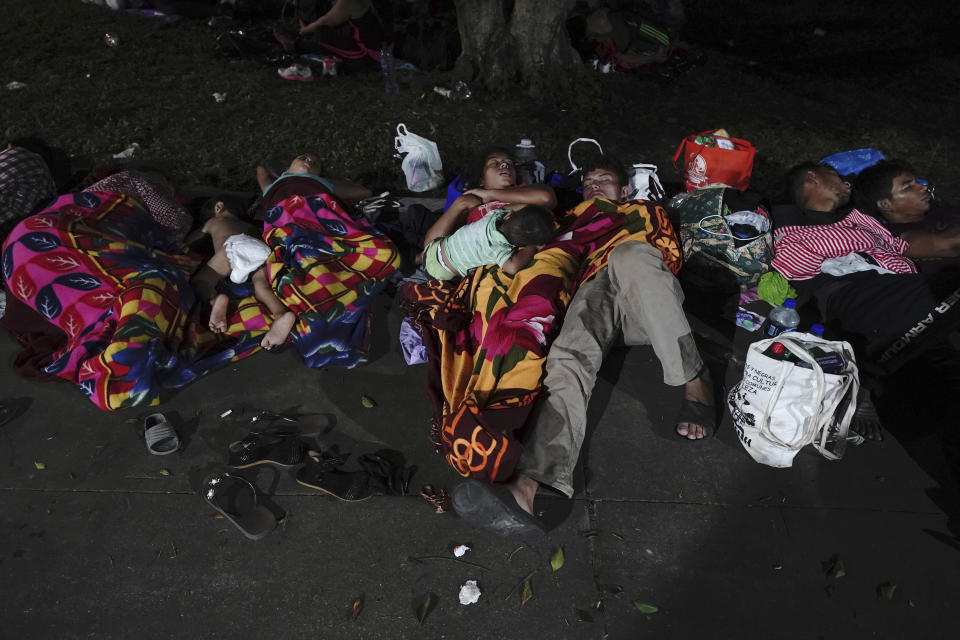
(693, 412)
(493, 507)
(236, 500)
(284, 450)
(349, 486)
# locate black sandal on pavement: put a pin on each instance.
(236, 500)
(693, 412)
(281, 449)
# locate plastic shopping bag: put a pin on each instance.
(421, 165)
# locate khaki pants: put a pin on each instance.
(636, 297)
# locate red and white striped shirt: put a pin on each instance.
(801, 249)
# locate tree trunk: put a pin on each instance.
(529, 48)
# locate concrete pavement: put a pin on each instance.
(102, 544)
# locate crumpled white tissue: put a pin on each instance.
(469, 592)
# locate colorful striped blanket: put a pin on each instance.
(97, 265)
(488, 335)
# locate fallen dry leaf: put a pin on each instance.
(526, 592)
(164, 472)
(556, 560)
(885, 590)
(834, 567)
(39, 465)
(367, 401)
(424, 608)
(356, 608)
(645, 607)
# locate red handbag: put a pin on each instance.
(703, 165)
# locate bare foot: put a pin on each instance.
(699, 390)
(279, 331)
(218, 313)
(524, 489)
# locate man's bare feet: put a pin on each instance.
(218, 313)
(279, 330)
(698, 390)
(524, 489)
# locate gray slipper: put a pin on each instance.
(236, 500)
(159, 434)
(493, 507)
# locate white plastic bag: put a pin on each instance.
(779, 407)
(421, 164)
(644, 183)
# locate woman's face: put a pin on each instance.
(498, 172)
(305, 163)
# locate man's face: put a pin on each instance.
(909, 200)
(831, 185)
(602, 183)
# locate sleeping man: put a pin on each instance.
(635, 297)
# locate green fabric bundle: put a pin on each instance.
(774, 288)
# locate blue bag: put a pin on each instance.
(851, 163)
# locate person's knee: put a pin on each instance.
(632, 255)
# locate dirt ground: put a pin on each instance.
(800, 80)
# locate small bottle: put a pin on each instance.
(781, 319)
(829, 361)
(526, 157)
(388, 69)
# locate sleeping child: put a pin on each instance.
(240, 254)
(506, 238)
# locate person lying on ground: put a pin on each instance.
(154, 192)
(889, 191)
(492, 184)
(351, 30)
(302, 178)
(26, 182)
(861, 278)
(508, 239)
(635, 297)
(240, 254)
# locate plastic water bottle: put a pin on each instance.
(526, 157)
(388, 69)
(781, 319)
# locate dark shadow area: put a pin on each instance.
(919, 405)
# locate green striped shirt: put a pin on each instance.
(477, 244)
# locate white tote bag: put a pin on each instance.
(779, 406)
(421, 165)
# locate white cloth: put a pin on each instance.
(850, 263)
(245, 254)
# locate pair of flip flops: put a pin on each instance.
(378, 475)
(160, 436)
(279, 444)
(235, 499)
